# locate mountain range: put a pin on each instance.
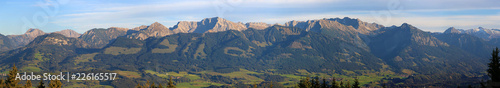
(480, 32)
(333, 46)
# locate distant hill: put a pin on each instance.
(5, 43)
(44, 52)
(410, 50)
(24, 39)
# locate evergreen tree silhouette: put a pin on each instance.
(11, 81)
(170, 83)
(28, 84)
(494, 66)
(334, 83)
(356, 83)
(324, 85)
(41, 84)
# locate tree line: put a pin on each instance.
(315, 83)
(152, 84)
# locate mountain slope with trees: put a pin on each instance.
(344, 48)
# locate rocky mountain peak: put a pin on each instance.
(407, 26)
(211, 20)
(57, 39)
(154, 30)
(215, 24)
(185, 27)
(34, 32)
(480, 28)
(348, 21)
(157, 26)
(452, 30)
(98, 38)
(31, 30)
(69, 33)
(358, 25)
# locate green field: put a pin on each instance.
(31, 69)
(367, 78)
(196, 84)
(129, 74)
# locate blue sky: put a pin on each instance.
(17, 16)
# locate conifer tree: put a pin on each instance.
(324, 85)
(41, 84)
(342, 84)
(271, 85)
(170, 83)
(2, 84)
(28, 84)
(138, 85)
(494, 66)
(316, 83)
(348, 85)
(384, 85)
(152, 85)
(55, 84)
(305, 83)
(334, 83)
(147, 84)
(356, 83)
(11, 81)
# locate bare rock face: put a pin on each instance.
(185, 27)
(154, 30)
(34, 33)
(257, 25)
(24, 39)
(453, 30)
(139, 28)
(308, 25)
(358, 25)
(336, 29)
(119, 28)
(98, 38)
(59, 40)
(69, 33)
(480, 32)
(215, 24)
